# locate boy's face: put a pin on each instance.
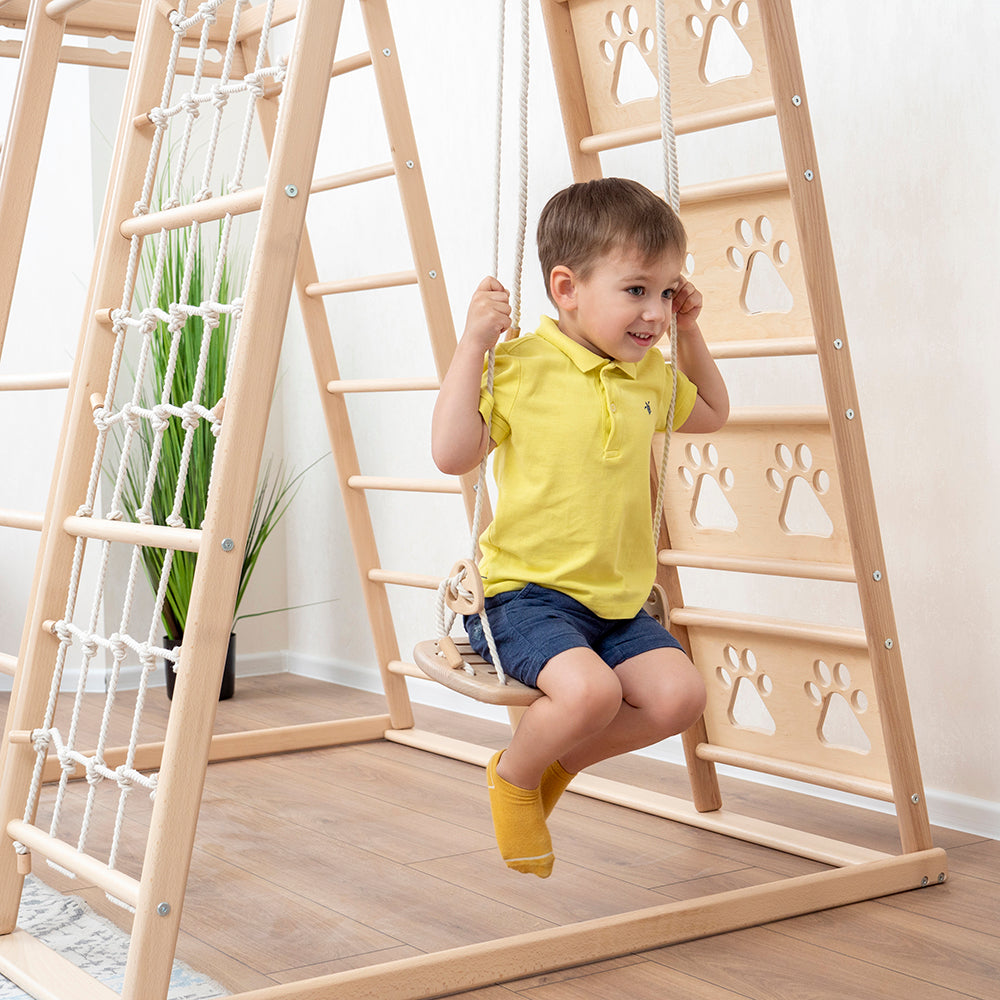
(622, 308)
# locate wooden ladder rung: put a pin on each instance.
(17, 383)
(404, 669)
(798, 415)
(239, 203)
(342, 386)
(697, 121)
(8, 664)
(734, 187)
(351, 64)
(777, 347)
(420, 580)
(799, 569)
(866, 787)
(404, 485)
(153, 536)
(838, 635)
(391, 280)
(21, 519)
(117, 883)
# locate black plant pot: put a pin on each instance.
(228, 674)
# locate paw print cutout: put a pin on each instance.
(718, 23)
(628, 47)
(840, 705)
(709, 483)
(748, 688)
(759, 256)
(792, 475)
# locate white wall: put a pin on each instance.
(905, 124)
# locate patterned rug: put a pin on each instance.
(96, 945)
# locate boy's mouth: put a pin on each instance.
(642, 338)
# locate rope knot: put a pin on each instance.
(158, 117)
(130, 417)
(89, 647)
(175, 521)
(119, 650)
(93, 774)
(160, 418)
(85, 510)
(191, 417)
(40, 740)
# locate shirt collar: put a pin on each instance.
(584, 359)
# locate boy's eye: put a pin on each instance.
(636, 290)
(669, 293)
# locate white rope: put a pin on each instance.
(671, 186)
(134, 412)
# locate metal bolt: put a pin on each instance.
(941, 877)
(915, 799)
(291, 190)
(924, 881)
(387, 52)
(809, 175)
(838, 344)
(796, 100)
(889, 643)
(849, 414)
(163, 909)
(433, 274)
(409, 164)
(228, 545)
(877, 575)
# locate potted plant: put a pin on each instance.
(276, 487)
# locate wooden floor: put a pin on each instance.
(328, 860)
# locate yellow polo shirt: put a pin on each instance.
(573, 433)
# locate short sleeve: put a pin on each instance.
(687, 396)
(495, 407)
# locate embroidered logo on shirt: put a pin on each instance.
(648, 410)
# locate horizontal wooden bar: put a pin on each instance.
(153, 536)
(797, 772)
(697, 121)
(836, 572)
(343, 386)
(404, 579)
(17, 383)
(40, 971)
(404, 669)
(56, 8)
(488, 963)
(235, 746)
(733, 187)
(351, 63)
(8, 664)
(362, 175)
(372, 282)
(117, 883)
(404, 485)
(27, 520)
(777, 347)
(837, 635)
(796, 415)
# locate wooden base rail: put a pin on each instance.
(117, 883)
(780, 838)
(42, 972)
(523, 955)
(234, 746)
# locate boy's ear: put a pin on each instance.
(562, 287)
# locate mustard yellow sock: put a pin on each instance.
(554, 782)
(519, 824)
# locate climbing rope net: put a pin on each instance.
(140, 427)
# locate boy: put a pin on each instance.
(569, 558)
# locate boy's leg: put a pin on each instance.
(582, 696)
(662, 695)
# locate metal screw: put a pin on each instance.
(809, 175)
(291, 190)
(849, 414)
(941, 877)
(877, 575)
(409, 164)
(387, 52)
(228, 545)
(796, 100)
(163, 909)
(838, 344)
(924, 881)
(915, 799)
(433, 274)
(889, 644)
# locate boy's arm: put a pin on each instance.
(711, 408)
(459, 435)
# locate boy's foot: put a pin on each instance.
(554, 782)
(519, 823)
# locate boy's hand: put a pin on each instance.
(489, 313)
(687, 304)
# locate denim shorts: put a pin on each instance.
(533, 624)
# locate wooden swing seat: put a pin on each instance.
(483, 683)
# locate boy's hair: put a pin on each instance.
(586, 221)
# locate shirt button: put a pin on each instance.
(614, 408)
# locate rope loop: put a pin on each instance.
(460, 600)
